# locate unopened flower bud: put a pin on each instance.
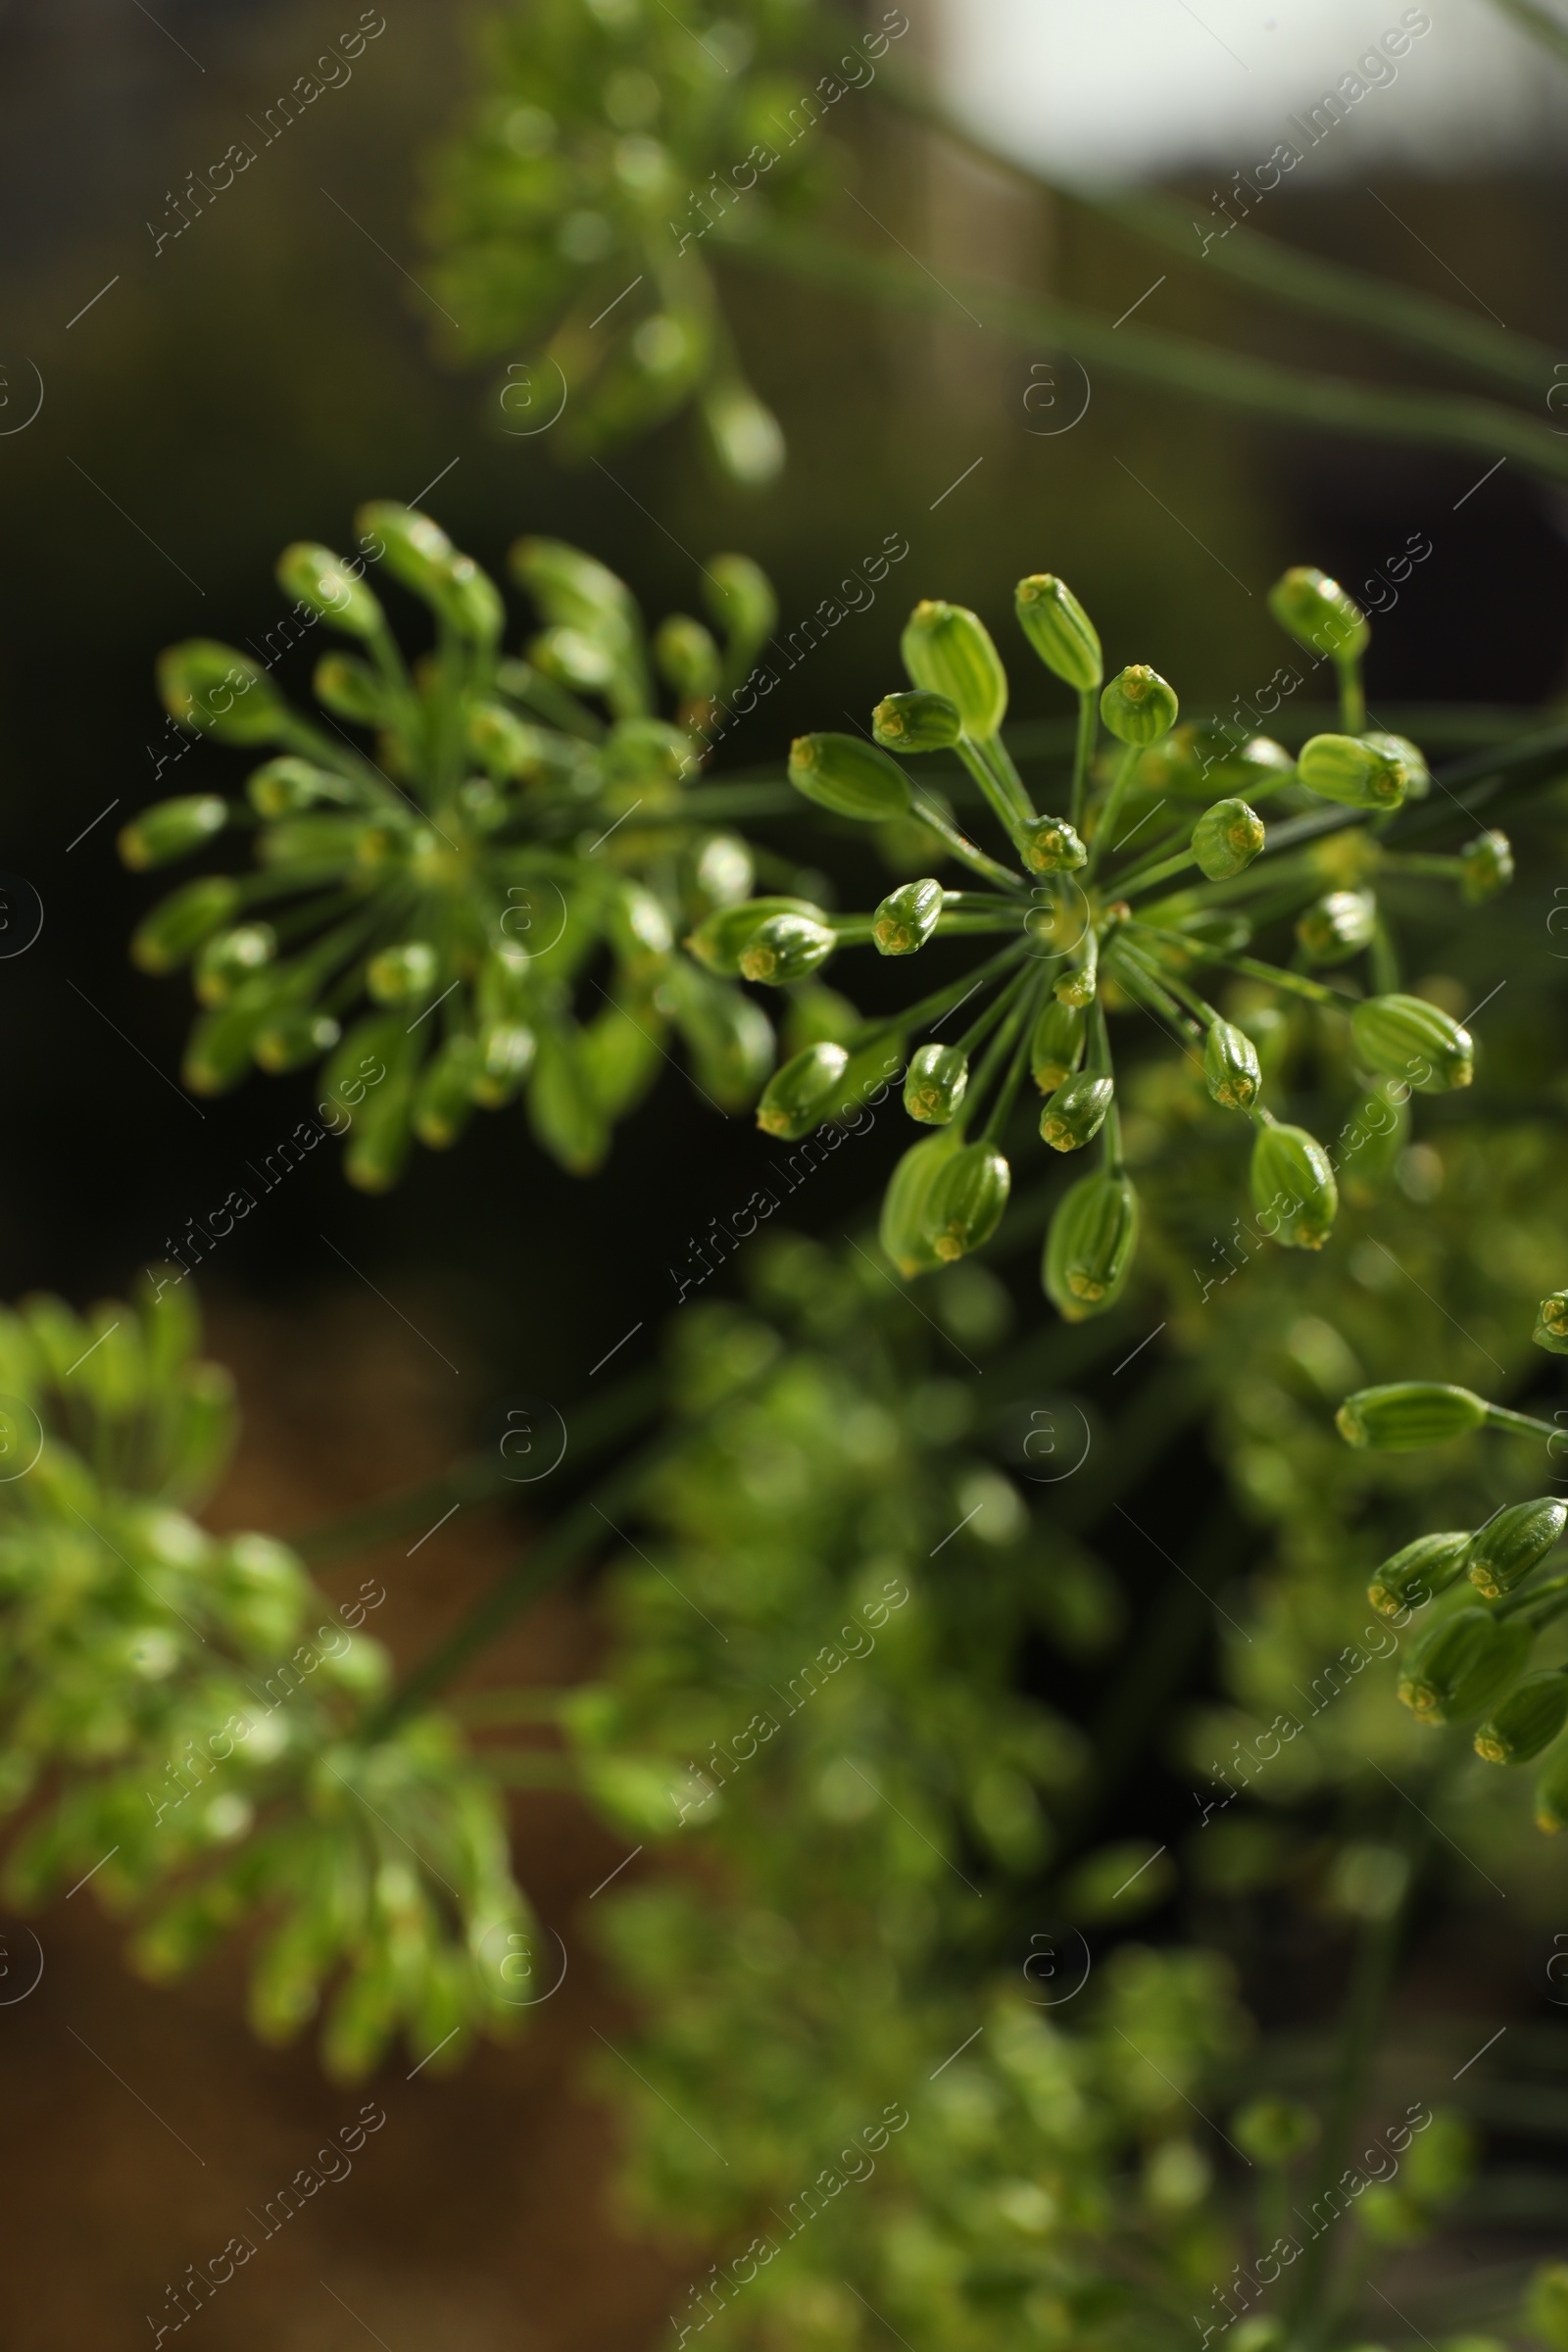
(1059, 630)
(1407, 757)
(1273, 2130)
(934, 1088)
(1486, 867)
(1317, 612)
(1405, 1414)
(786, 948)
(1138, 706)
(321, 580)
(351, 689)
(1462, 1664)
(720, 939)
(172, 829)
(1405, 1037)
(282, 787)
(401, 975)
(230, 957)
(906, 917)
(1292, 1180)
(740, 602)
(213, 690)
(171, 933)
(1231, 1070)
(1338, 926)
(1226, 839)
(418, 553)
(1089, 1247)
(1352, 772)
(850, 776)
(444, 1099)
(1050, 845)
(1552, 1324)
(507, 1051)
(1057, 1045)
(1504, 1551)
(948, 650)
(1076, 1111)
(966, 1201)
(1528, 1719)
(903, 1203)
(1552, 1814)
(1419, 1573)
(916, 723)
(292, 1039)
(686, 658)
(795, 1098)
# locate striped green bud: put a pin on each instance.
(1528, 1719)
(1407, 757)
(292, 1039)
(1486, 867)
(317, 577)
(948, 650)
(1226, 839)
(1338, 926)
(1317, 612)
(903, 1203)
(1462, 1664)
(786, 948)
(1076, 1111)
(916, 723)
(213, 690)
(172, 829)
(1056, 1047)
(797, 1097)
(1059, 630)
(965, 1202)
(1089, 1247)
(1405, 1037)
(1552, 1324)
(403, 974)
(906, 918)
(1050, 845)
(1552, 1814)
(935, 1084)
(1231, 1070)
(1293, 1181)
(1354, 773)
(174, 929)
(686, 658)
(850, 776)
(721, 938)
(1138, 706)
(230, 957)
(1507, 1550)
(1419, 1573)
(1402, 1415)
(282, 787)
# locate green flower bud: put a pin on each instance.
(1057, 1045)
(1194, 761)
(572, 659)
(1076, 1111)
(1226, 839)
(1545, 2312)
(916, 723)
(1059, 630)
(1405, 1037)
(740, 602)
(1354, 773)
(418, 553)
(575, 590)
(730, 1039)
(317, 577)
(213, 690)
(686, 658)
(1292, 1179)
(1528, 1719)
(720, 871)
(1338, 926)
(965, 1203)
(1317, 612)
(171, 933)
(284, 786)
(172, 829)
(506, 1057)
(1552, 1324)
(721, 940)
(1504, 1551)
(230, 957)
(1552, 1814)
(948, 650)
(561, 1110)
(351, 689)
(935, 1085)
(1090, 1245)
(1486, 867)
(443, 1098)
(218, 1051)
(851, 777)
(903, 1203)
(1273, 2130)
(401, 975)
(786, 948)
(795, 1098)
(1418, 1573)
(381, 1135)
(1403, 1416)
(1406, 756)
(906, 918)
(1050, 845)
(1138, 706)
(1462, 1664)
(1231, 1069)
(294, 1039)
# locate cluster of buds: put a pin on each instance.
(425, 910)
(1082, 923)
(1472, 1661)
(193, 1726)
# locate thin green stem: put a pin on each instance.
(983, 1024)
(997, 1049)
(968, 852)
(1352, 694)
(940, 1002)
(1552, 1598)
(1023, 1023)
(1106, 819)
(998, 793)
(1084, 752)
(1296, 984)
(1007, 774)
(1502, 1416)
